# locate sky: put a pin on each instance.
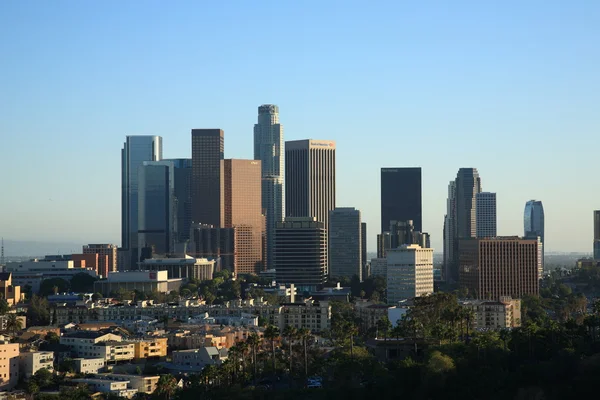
(508, 87)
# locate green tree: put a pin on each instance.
(13, 323)
(4, 307)
(290, 333)
(272, 334)
(53, 286)
(43, 378)
(38, 312)
(166, 387)
(253, 342)
(305, 335)
(82, 283)
(97, 296)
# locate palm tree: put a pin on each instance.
(272, 333)
(304, 335)
(290, 333)
(13, 323)
(253, 341)
(243, 348)
(166, 386)
(352, 330)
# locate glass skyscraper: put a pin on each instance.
(136, 150)
(486, 215)
(401, 196)
(534, 219)
(183, 196)
(269, 149)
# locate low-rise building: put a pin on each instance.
(150, 348)
(143, 384)
(194, 360)
(88, 365)
(188, 267)
(312, 315)
(9, 365)
(115, 351)
(33, 361)
(82, 343)
(120, 388)
(9, 292)
(142, 281)
(369, 313)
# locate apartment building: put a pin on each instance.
(196, 359)
(150, 348)
(33, 361)
(82, 343)
(89, 365)
(313, 315)
(9, 365)
(115, 351)
(143, 384)
(370, 313)
(119, 388)
(505, 313)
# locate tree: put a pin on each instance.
(97, 296)
(38, 312)
(166, 387)
(13, 323)
(82, 283)
(253, 341)
(290, 333)
(4, 307)
(43, 378)
(272, 333)
(304, 335)
(53, 286)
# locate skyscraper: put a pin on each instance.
(269, 149)
(486, 215)
(597, 235)
(243, 211)
(310, 179)
(301, 252)
(345, 243)
(449, 232)
(401, 196)
(136, 150)
(157, 206)
(363, 245)
(207, 153)
(399, 233)
(183, 195)
(409, 272)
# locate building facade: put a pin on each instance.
(533, 221)
(213, 243)
(9, 291)
(485, 215)
(504, 313)
(310, 179)
(242, 196)
(497, 267)
(108, 250)
(345, 243)
(401, 196)
(9, 365)
(182, 175)
(88, 365)
(33, 361)
(448, 267)
(143, 281)
(208, 146)
(400, 232)
(269, 149)
(136, 150)
(189, 267)
(409, 272)
(301, 253)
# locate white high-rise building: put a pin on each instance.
(269, 149)
(136, 150)
(486, 215)
(409, 272)
(345, 252)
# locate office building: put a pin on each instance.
(409, 272)
(597, 235)
(188, 267)
(448, 272)
(214, 244)
(401, 196)
(33, 272)
(136, 150)
(207, 153)
(269, 149)
(8, 290)
(399, 233)
(91, 260)
(533, 221)
(379, 267)
(242, 189)
(301, 253)
(157, 206)
(485, 214)
(363, 244)
(142, 281)
(491, 268)
(9, 365)
(345, 243)
(108, 250)
(182, 175)
(310, 179)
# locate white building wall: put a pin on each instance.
(409, 272)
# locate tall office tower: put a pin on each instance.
(399, 233)
(207, 153)
(501, 266)
(345, 243)
(136, 150)
(157, 206)
(597, 235)
(409, 272)
(363, 247)
(102, 250)
(207, 241)
(243, 211)
(449, 229)
(401, 196)
(485, 215)
(533, 221)
(183, 196)
(301, 253)
(310, 179)
(269, 149)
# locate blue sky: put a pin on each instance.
(509, 87)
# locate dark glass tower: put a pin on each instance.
(207, 153)
(401, 196)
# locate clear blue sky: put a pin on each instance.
(509, 87)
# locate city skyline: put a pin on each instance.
(493, 101)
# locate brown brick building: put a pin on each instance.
(502, 266)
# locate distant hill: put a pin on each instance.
(20, 248)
